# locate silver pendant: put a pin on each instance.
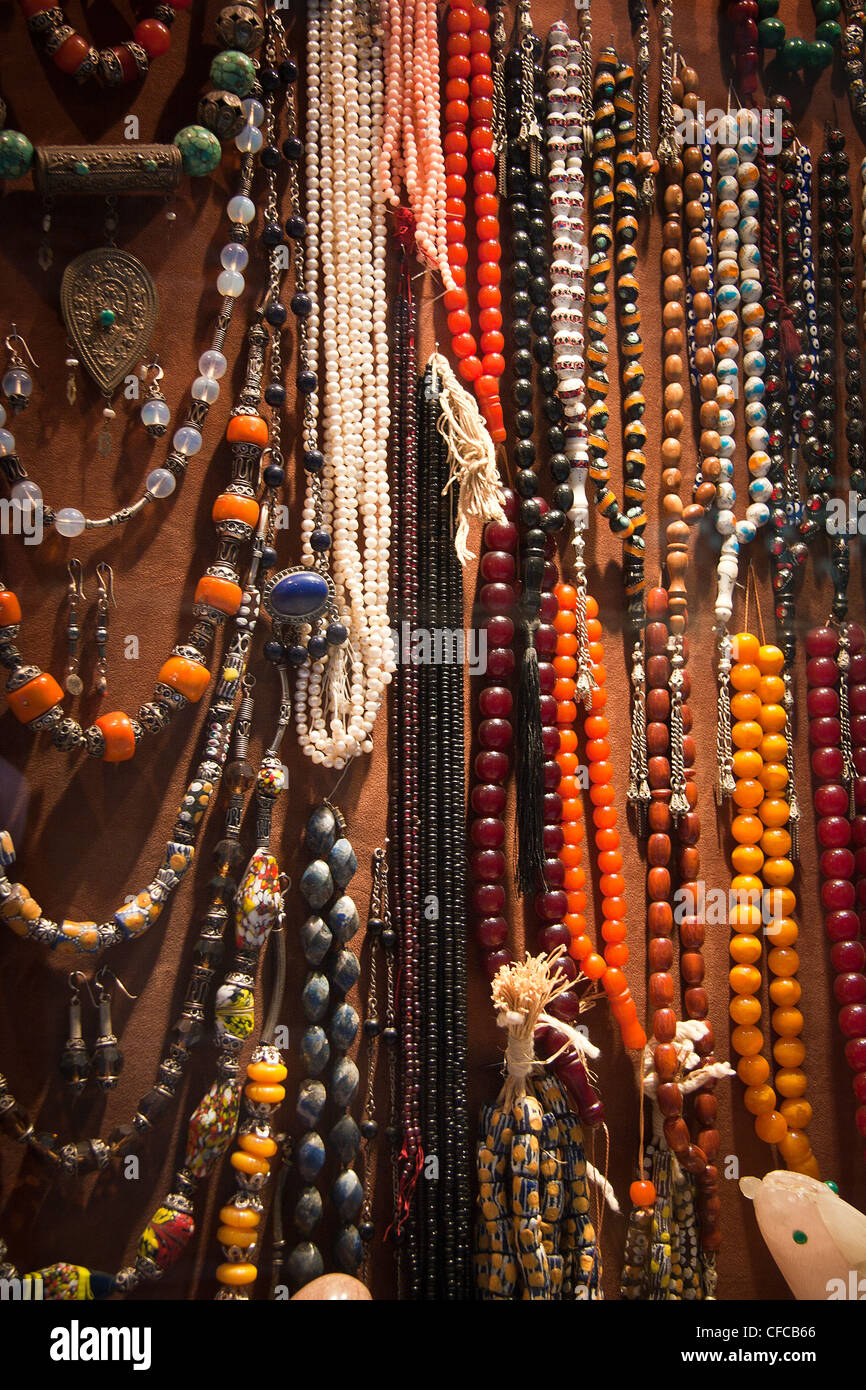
(109, 307)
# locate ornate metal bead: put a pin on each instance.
(222, 113)
(44, 20)
(239, 26)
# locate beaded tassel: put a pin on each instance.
(534, 1239)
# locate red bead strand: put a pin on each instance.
(843, 859)
(493, 762)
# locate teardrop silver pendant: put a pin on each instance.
(109, 306)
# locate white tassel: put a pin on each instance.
(471, 457)
(601, 1181)
(335, 683)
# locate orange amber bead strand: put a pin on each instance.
(609, 967)
(241, 1218)
(762, 901)
(469, 97)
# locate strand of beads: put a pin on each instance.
(762, 900)
(258, 910)
(24, 915)
(567, 273)
(187, 439)
(342, 694)
(492, 765)
(794, 53)
(34, 696)
(601, 244)
(71, 53)
(381, 937)
(609, 966)
(480, 361)
(324, 943)
(836, 830)
(738, 296)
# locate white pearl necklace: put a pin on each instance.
(738, 298)
(568, 268)
(337, 700)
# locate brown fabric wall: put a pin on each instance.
(93, 833)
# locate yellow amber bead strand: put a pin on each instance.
(763, 904)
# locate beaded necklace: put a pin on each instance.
(84, 1156)
(187, 439)
(763, 904)
(34, 696)
(469, 97)
(566, 113)
(531, 337)
(443, 1208)
(837, 734)
(72, 54)
(340, 698)
(852, 57)
(382, 939)
(739, 288)
(334, 970)
(615, 193)
(795, 53)
(256, 908)
(403, 766)
(492, 765)
(223, 114)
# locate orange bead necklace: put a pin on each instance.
(469, 94)
(609, 966)
(35, 697)
(763, 905)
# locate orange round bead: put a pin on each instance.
(10, 608)
(229, 507)
(771, 1127)
(247, 429)
(119, 736)
(221, 594)
(642, 1194)
(232, 1236)
(236, 1275)
(242, 1218)
(188, 677)
(248, 1163)
(35, 697)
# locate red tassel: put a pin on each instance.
(788, 336)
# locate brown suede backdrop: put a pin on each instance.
(94, 833)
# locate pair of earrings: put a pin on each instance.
(105, 1062)
(75, 595)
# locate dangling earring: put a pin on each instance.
(72, 365)
(74, 1061)
(17, 382)
(105, 580)
(74, 595)
(155, 413)
(106, 1060)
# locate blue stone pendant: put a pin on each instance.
(298, 595)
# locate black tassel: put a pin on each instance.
(530, 771)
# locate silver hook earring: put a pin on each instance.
(105, 581)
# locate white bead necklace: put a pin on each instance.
(337, 701)
(568, 268)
